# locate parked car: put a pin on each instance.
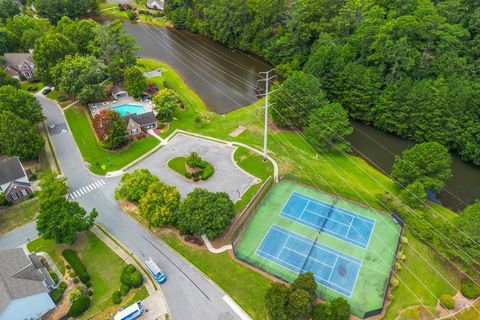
(46, 91)
(155, 270)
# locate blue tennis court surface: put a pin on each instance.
(331, 268)
(329, 219)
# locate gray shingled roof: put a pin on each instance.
(14, 59)
(142, 119)
(10, 170)
(18, 277)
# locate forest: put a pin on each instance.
(411, 68)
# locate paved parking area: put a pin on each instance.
(155, 308)
(228, 177)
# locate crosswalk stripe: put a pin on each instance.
(80, 191)
(71, 196)
(98, 184)
(84, 190)
(88, 188)
(102, 182)
(93, 186)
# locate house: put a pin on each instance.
(118, 92)
(139, 123)
(19, 65)
(14, 181)
(155, 4)
(24, 286)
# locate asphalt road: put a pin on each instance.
(189, 294)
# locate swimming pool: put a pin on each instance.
(125, 109)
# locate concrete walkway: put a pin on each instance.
(152, 133)
(215, 250)
(52, 265)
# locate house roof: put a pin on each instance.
(11, 169)
(14, 59)
(155, 4)
(141, 119)
(19, 277)
(118, 88)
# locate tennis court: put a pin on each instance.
(333, 269)
(349, 248)
(329, 219)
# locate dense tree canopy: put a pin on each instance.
(25, 30)
(159, 204)
(134, 81)
(328, 127)
(54, 10)
(407, 67)
(7, 80)
(166, 104)
(204, 212)
(114, 47)
(79, 76)
(80, 32)
(428, 163)
(60, 219)
(49, 50)
(8, 9)
(135, 185)
(295, 99)
(18, 137)
(110, 128)
(21, 103)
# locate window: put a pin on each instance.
(13, 196)
(24, 192)
(134, 131)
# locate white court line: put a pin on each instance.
(236, 308)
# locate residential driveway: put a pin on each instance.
(228, 177)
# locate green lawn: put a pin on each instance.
(112, 10)
(79, 123)
(17, 215)
(428, 281)
(245, 286)
(25, 85)
(178, 165)
(103, 265)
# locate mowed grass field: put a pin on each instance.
(79, 122)
(345, 175)
(104, 267)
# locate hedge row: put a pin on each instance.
(76, 264)
(470, 289)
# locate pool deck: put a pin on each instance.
(97, 107)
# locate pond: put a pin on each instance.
(226, 80)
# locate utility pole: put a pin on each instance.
(267, 92)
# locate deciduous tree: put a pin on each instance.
(166, 104)
(18, 137)
(110, 128)
(135, 82)
(75, 73)
(276, 301)
(135, 185)
(159, 204)
(21, 103)
(8, 9)
(204, 212)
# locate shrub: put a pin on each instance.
(207, 171)
(116, 297)
(470, 289)
(54, 276)
(62, 97)
(131, 277)
(68, 267)
(62, 285)
(76, 280)
(394, 282)
(57, 294)
(79, 306)
(32, 88)
(76, 264)
(447, 301)
(3, 199)
(132, 15)
(90, 292)
(72, 274)
(75, 294)
(124, 289)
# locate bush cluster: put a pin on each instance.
(131, 277)
(205, 169)
(54, 276)
(116, 297)
(76, 264)
(57, 293)
(447, 301)
(470, 289)
(79, 306)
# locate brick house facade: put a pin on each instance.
(14, 183)
(19, 65)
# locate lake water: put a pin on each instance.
(226, 79)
